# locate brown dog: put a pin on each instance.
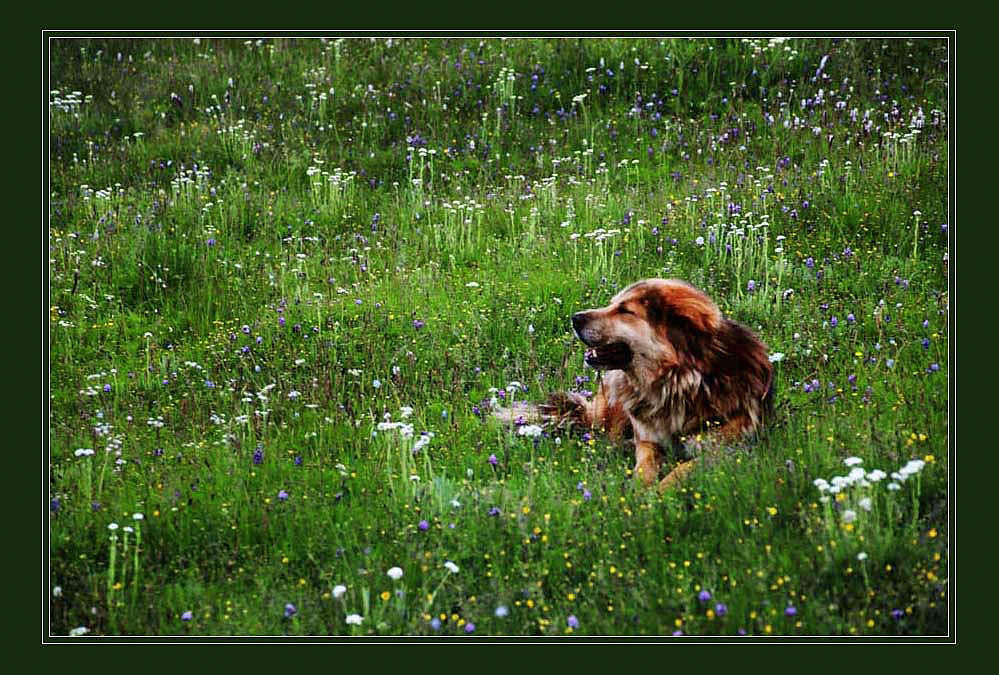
(675, 368)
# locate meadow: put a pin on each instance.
(290, 279)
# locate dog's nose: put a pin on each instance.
(578, 321)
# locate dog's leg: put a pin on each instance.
(677, 475)
(646, 462)
(732, 430)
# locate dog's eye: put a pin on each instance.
(621, 309)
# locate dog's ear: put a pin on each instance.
(684, 316)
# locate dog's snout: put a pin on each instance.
(578, 321)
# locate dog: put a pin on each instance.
(676, 371)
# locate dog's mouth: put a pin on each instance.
(613, 356)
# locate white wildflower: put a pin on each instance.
(395, 573)
(451, 567)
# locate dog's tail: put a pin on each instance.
(563, 410)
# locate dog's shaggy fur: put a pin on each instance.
(676, 371)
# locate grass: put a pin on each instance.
(262, 250)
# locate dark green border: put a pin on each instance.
(965, 244)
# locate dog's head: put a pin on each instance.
(650, 325)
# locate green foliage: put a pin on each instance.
(275, 264)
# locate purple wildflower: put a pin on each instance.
(282, 495)
(572, 621)
(258, 455)
(424, 526)
(721, 609)
(790, 610)
(469, 627)
(290, 610)
(492, 460)
(187, 616)
(704, 595)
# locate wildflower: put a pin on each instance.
(501, 611)
(862, 556)
(897, 614)
(849, 516)
(55, 504)
(587, 495)
(187, 616)
(721, 609)
(78, 631)
(376, 384)
(776, 357)
(704, 596)
(699, 241)
(865, 503)
(339, 590)
(751, 286)
(282, 495)
(423, 525)
(354, 619)
(469, 627)
(395, 573)
(790, 611)
(418, 324)
(531, 430)
(572, 621)
(853, 461)
(494, 511)
(435, 623)
(451, 567)
(84, 452)
(258, 456)
(57, 591)
(834, 322)
(492, 460)
(290, 610)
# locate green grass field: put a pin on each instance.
(289, 279)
